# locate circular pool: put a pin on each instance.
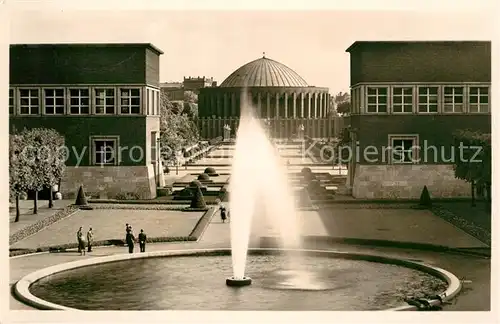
(323, 280)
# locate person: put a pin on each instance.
(81, 241)
(127, 228)
(90, 239)
(142, 240)
(130, 241)
(223, 213)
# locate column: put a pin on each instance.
(268, 105)
(277, 115)
(259, 106)
(321, 105)
(286, 105)
(218, 106)
(309, 106)
(233, 104)
(294, 98)
(226, 112)
(315, 96)
(301, 105)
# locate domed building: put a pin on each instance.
(278, 95)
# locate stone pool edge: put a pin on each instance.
(22, 293)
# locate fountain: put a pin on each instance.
(267, 186)
(190, 279)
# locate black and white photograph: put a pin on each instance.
(240, 162)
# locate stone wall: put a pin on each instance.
(107, 182)
(407, 181)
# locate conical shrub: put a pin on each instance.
(425, 198)
(304, 198)
(197, 201)
(81, 199)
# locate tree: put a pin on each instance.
(177, 130)
(46, 160)
(20, 176)
(190, 97)
(473, 160)
(342, 102)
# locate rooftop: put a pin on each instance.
(147, 45)
(357, 44)
(264, 72)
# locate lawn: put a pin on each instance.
(110, 224)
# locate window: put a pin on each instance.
(428, 99)
(29, 101)
(453, 99)
(377, 100)
(79, 101)
(104, 101)
(54, 101)
(403, 149)
(11, 101)
(130, 101)
(402, 100)
(104, 151)
(479, 99)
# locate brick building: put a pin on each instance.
(104, 100)
(413, 96)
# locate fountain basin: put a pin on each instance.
(192, 280)
(238, 282)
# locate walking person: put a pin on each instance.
(128, 228)
(90, 239)
(142, 241)
(223, 213)
(130, 239)
(81, 241)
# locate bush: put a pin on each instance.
(425, 198)
(81, 199)
(204, 177)
(306, 170)
(304, 200)
(195, 184)
(127, 196)
(210, 171)
(198, 201)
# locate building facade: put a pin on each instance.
(408, 98)
(278, 95)
(104, 100)
(175, 90)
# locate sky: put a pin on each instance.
(215, 43)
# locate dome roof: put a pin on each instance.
(264, 72)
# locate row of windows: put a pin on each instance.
(81, 101)
(454, 99)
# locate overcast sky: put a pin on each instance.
(215, 43)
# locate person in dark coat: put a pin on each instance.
(223, 213)
(130, 241)
(90, 239)
(81, 241)
(142, 241)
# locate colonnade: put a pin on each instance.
(311, 102)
